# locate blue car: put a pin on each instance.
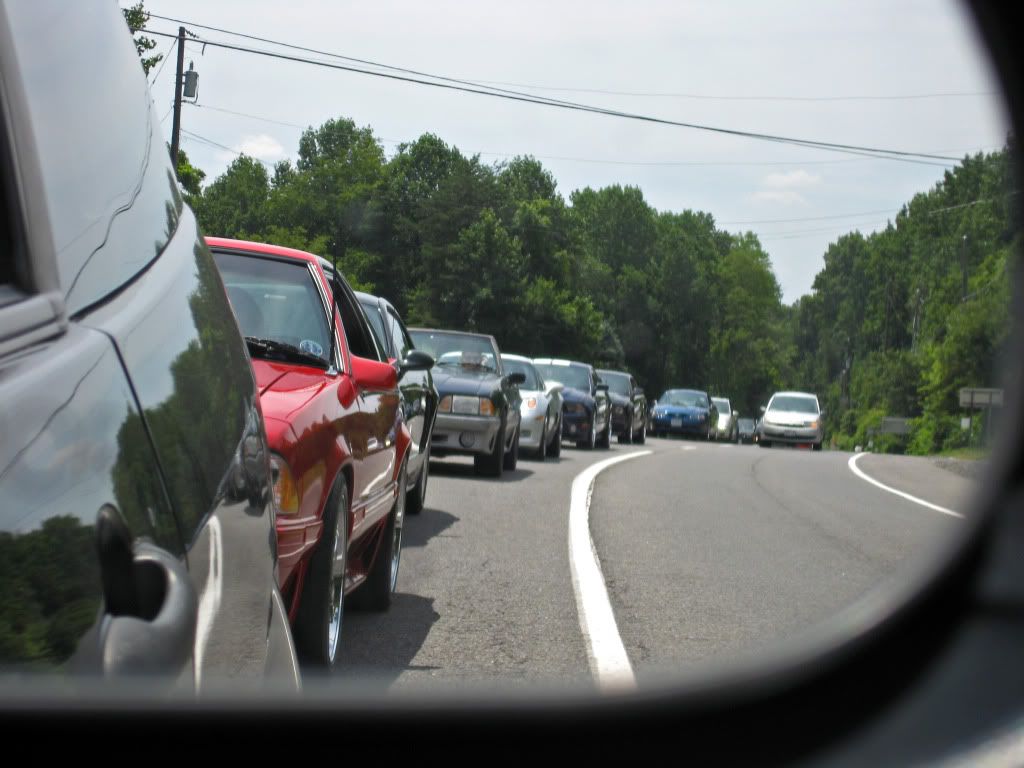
(684, 412)
(586, 407)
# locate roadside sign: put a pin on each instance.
(965, 422)
(974, 397)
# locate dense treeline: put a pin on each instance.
(900, 320)
(458, 243)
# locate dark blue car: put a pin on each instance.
(684, 412)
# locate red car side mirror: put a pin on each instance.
(373, 375)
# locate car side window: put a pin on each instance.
(399, 337)
(356, 326)
(377, 326)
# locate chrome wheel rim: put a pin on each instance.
(335, 608)
(396, 535)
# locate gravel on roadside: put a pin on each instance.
(973, 469)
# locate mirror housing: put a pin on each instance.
(602, 387)
(638, 391)
(372, 375)
(517, 377)
(761, 409)
(415, 360)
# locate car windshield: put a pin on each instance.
(276, 299)
(722, 405)
(684, 398)
(572, 376)
(533, 382)
(456, 350)
(617, 382)
(794, 403)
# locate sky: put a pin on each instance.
(866, 73)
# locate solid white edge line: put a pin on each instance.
(607, 655)
(863, 476)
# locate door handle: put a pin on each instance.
(149, 605)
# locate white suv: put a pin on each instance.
(794, 418)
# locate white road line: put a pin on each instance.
(608, 659)
(860, 473)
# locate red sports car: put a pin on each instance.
(334, 426)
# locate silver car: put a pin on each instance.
(727, 427)
(541, 409)
(794, 418)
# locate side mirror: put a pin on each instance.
(415, 360)
(602, 387)
(762, 410)
(639, 391)
(516, 378)
(735, 414)
(371, 375)
(821, 414)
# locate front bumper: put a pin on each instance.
(683, 426)
(619, 421)
(530, 429)
(794, 435)
(467, 435)
(575, 426)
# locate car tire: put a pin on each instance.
(492, 464)
(322, 603)
(627, 436)
(606, 436)
(375, 593)
(512, 455)
(641, 437)
(417, 497)
(556, 442)
(816, 446)
(765, 443)
(591, 440)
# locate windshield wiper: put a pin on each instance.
(281, 350)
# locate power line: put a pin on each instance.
(217, 145)
(813, 218)
(467, 81)
(713, 97)
(639, 163)
(899, 155)
(164, 61)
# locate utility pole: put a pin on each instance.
(178, 78)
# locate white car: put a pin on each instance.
(541, 410)
(794, 418)
(726, 428)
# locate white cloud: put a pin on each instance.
(790, 180)
(262, 147)
(783, 196)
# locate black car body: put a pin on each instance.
(747, 430)
(419, 395)
(478, 410)
(688, 412)
(586, 407)
(136, 505)
(629, 406)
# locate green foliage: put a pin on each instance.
(900, 320)
(456, 243)
(136, 18)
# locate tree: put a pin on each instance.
(136, 17)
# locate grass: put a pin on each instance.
(970, 454)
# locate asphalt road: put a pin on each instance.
(706, 550)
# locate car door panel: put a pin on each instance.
(181, 345)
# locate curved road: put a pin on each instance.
(706, 550)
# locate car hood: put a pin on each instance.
(285, 389)
(618, 399)
(462, 381)
(790, 418)
(572, 395)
